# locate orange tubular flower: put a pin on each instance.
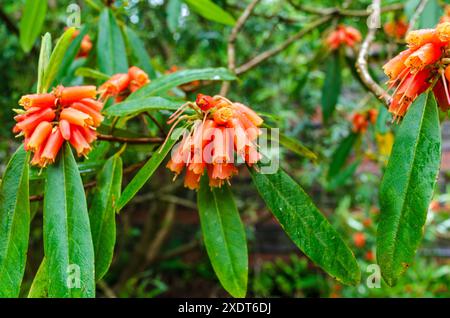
(414, 70)
(68, 113)
(361, 121)
(224, 129)
(39, 135)
(37, 100)
(121, 85)
(52, 147)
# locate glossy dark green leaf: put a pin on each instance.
(136, 106)
(14, 223)
(31, 23)
(91, 73)
(332, 86)
(56, 58)
(167, 82)
(39, 286)
(139, 53)
(103, 212)
(210, 11)
(44, 59)
(306, 226)
(68, 246)
(111, 53)
(340, 155)
(148, 169)
(407, 187)
(224, 236)
(173, 14)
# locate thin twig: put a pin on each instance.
(157, 123)
(269, 53)
(232, 41)
(416, 15)
(140, 140)
(362, 61)
(344, 12)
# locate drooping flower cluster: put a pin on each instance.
(396, 28)
(222, 134)
(343, 35)
(68, 113)
(123, 84)
(415, 69)
(361, 121)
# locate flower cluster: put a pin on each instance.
(343, 35)
(68, 113)
(222, 133)
(415, 69)
(123, 84)
(361, 121)
(396, 29)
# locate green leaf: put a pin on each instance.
(14, 223)
(407, 187)
(44, 59)
(56, 58)
(111, 53)
(139, 53)
(340, 155)
(332, 86)
(68, 246)
(339, 179)
(430, 15)
(31, 23)
(224, 236)
(136, 106)
(70, 55)
(306, 226)
(164, 83)
(173, 14)
(39, 287)
(148, 169)
(102, 214)
(91, 73)
(293, 144)
(210, 11)
(383, 115)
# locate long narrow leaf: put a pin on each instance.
(68, 246)
(14, 223)
(407, 187)
(224, 236)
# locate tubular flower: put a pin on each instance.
(68, 113)
(222, 133)
(361, 121)
(419, 67)
(123, 84)
(343, 35)
(396, 29)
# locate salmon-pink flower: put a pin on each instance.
(37, 100)
(138, 78)
(52, 147)
(121, 85)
